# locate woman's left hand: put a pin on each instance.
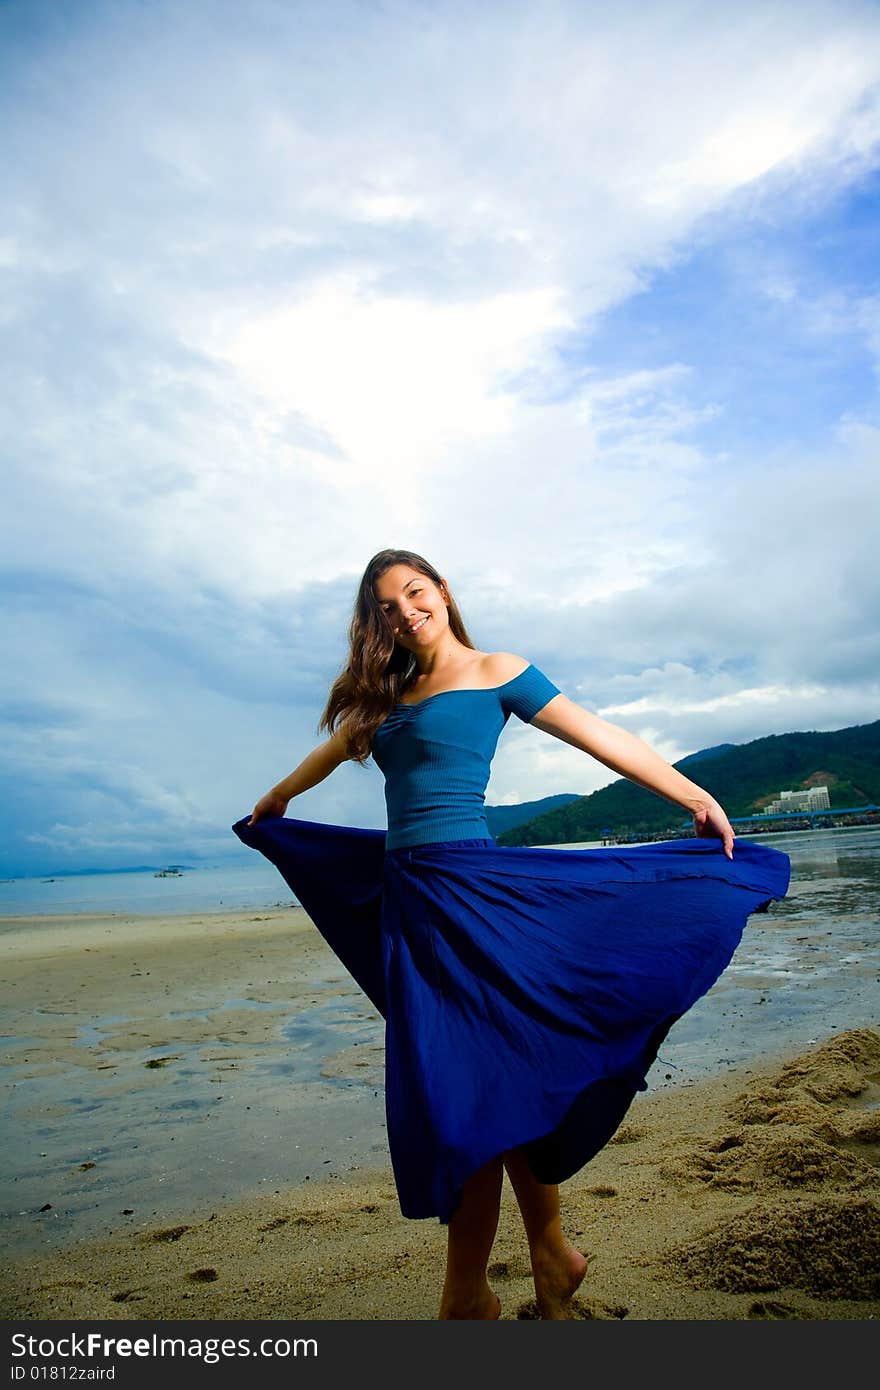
(711, 822)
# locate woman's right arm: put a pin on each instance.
(318, 765)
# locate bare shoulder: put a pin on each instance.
(499, 667)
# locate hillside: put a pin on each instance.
(744, 777)
(503, 818)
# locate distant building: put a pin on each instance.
(812, 799)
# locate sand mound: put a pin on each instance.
(790, 1157)
(802, 1127)
(829, 1247)
(809, 1129)
(846, 1068)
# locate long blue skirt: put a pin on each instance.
(525, 991)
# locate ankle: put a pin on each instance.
(469, 1303)
(549, 1241)
(465, 1287)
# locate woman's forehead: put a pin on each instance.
(398, 577)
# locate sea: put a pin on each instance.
(148, 892)
(838, 852)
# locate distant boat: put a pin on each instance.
(168, 873)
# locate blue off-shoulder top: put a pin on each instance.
(436, 756)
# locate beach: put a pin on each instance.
(748, 1198)
(195, 1129)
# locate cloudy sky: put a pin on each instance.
(580, 301)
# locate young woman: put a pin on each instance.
(525, 991)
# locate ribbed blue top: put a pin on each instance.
(437, 754)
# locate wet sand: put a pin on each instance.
(195, 1129)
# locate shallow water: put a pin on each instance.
(808, 967)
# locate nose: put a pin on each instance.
(408, 616)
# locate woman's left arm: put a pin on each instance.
(623, 752)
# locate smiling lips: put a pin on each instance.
(419, 624)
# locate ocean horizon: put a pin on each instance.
(147, 892)
(230, 887)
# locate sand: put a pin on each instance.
(133, 1191)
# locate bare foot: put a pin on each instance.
(486, 1306)
(557, 1273)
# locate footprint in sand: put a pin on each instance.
(510, 1269)
(579, 1310)
(768, 1309)
(167, 1233)
(629, 1134)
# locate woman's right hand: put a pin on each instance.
(274, 803)
(711, 822)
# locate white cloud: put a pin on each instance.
(393, 381)
(760, 695)
(288, 284)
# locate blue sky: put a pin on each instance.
(579, 301)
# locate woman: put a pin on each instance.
(525, 991)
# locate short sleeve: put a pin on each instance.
(527, 693)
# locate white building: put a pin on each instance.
(812, 799)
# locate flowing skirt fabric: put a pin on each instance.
(525, 991)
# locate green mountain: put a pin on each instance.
(744, 777)
(503, 818)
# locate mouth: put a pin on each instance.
(417, 627)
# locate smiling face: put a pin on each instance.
(414, 606)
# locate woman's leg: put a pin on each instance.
(471, 1231)
(557, 1268)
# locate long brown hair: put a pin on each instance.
(379, 670)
